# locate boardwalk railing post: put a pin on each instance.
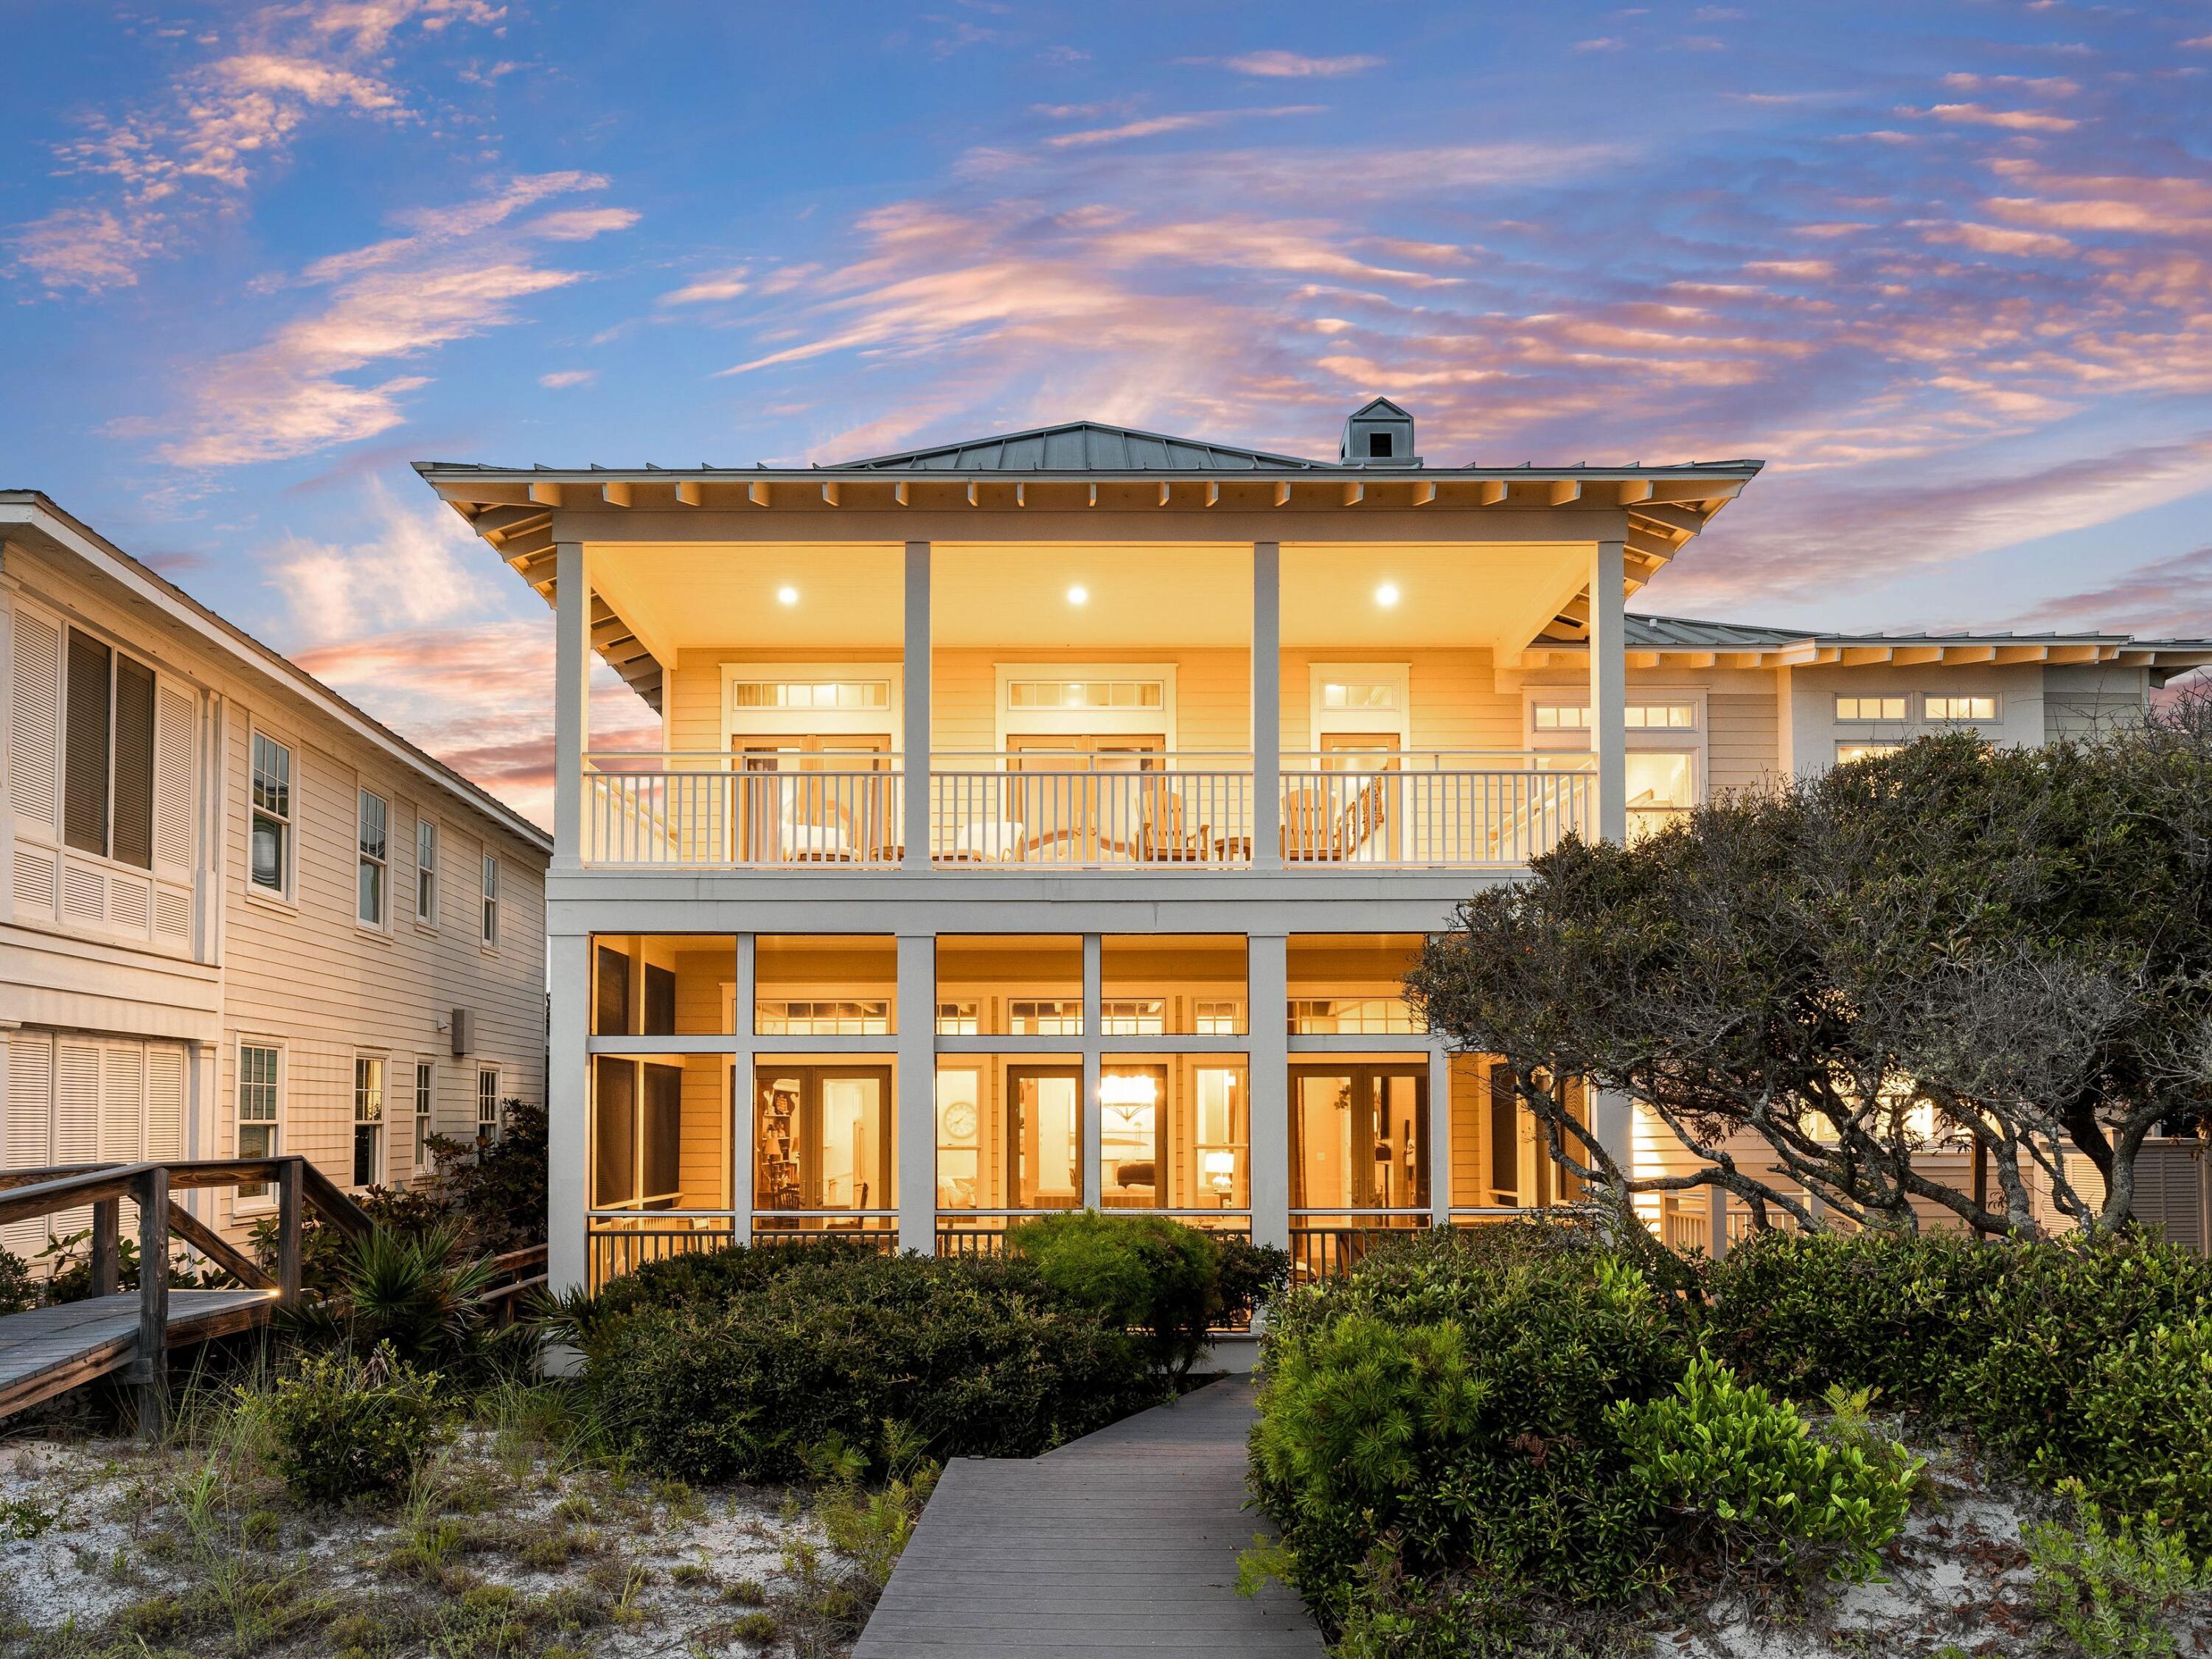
(288, 1233)
(150, 1370)
(107, 1246)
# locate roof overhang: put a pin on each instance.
(2164, 658)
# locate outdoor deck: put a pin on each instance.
(49, 1350)
(1123, 1542)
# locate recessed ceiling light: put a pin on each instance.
(787, 596)
(1387, 595)
(1079, 595)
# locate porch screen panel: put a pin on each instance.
(134, 764)
(614, 1133)
(660, 1135)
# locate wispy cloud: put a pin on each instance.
(561, 379)
(715, 286)
(2013, 120)
(1293, 66)
(1152, 126)
(457, 272)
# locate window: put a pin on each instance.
(1350, 694)
(375, 846)
(1045, 1017)
(1662, 716)
(426, 1094)
(107, 754)
(1851, 752)
(1378, 446)
(811, 694)
(1961, 709)
(426, 873)
(368, 1120)
(1562, 717)
(1869, 708)
(1086, 694)
(491, 900)
(822, 1017)
(272, 815)
(1662, 787)
(488, 1120)
(259, 1071)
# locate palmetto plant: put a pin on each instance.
(422, 1292)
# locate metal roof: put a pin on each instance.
(1079, 447)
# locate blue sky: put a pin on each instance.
(1944, 266)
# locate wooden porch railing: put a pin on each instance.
(300, 1186)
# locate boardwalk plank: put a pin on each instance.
(1125, 1542)
(47, 1350)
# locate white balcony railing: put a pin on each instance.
(1423, 809)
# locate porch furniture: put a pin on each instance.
(1164, 838)
(1316, 829)
(996, 840)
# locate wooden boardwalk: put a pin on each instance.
(1123, 1542)
(49, 1350)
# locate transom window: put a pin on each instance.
(1086, 694)
(1662, 716)
(272, 814)
(1562, 717)
(376, 850)
(1133, 1016)
(811, 694)
(823, 1016)
(1869, 708)
(1045, 1017)
(1358, 694)
(1353, 1016)
(1961, 709)
(958, 1019)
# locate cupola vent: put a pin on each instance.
(1379, 434)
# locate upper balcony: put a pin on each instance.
(1118, 652)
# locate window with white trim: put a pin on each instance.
(368, 1120)
(1850, 708)
(1661, 716)
(426, 1096)
(1561, 716)
(491, 900)
(1959, 709)
(271, 861)
(811, 694)
(1086, 694)
(488, 1115)
(261, 1105)
(373, 833)
(108, 753)
(1852, 751)
(426, 873)
(1358, 694)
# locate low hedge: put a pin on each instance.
(739, 1366)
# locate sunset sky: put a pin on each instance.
(1946, 267)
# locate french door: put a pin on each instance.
(1072, 805)
(1359, 1137)
(812, 798)
(822, 1138)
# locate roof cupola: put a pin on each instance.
(1380, 433)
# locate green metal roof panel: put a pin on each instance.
(1077, 447)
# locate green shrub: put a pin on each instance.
(1138, 1272)
(1437, 1425)
(740, 1367)
(347, 1427)
(18, 1289)
(421, 1293)
(1729, 1460)
(2111, 1592)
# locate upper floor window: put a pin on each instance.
(1961, 709)
(1661, 716)
(272, 815)
(108, 753)
(1086, 694)
(426, 873)
(1562, 716)
(1869, 708)
(811, 694)
(376, 850)
(491, 898)
(1358, 694)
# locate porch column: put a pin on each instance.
(915, 738)
(1608, 686)
(572, 699)
(1440, 1137)
(916, 1139)
(1716, 1218)
(1612, 1121)
(1094, 1031)
(1268, 966)
(567, 1111)
(1267, 707)
(744, 1112)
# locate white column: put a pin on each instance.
(1716, 1217)
(1608, 686)
(1268, 968)
(567, 1109)
(1785, 745)
(1267, 706)
(914, 719)
(917, 1091)
(572, 699)
(1440, 1136)
(1094, 1030)
(1612, 1121)
(745, 1111)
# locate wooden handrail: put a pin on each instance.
(330, 1201)
(41, 1192)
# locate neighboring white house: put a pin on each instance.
(1047, 820)
(242, 917)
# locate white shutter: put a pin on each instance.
(165, 1103)
(34, 725)
(30, 1108)
(175, 790)
(76, 1121)
(122, 1103)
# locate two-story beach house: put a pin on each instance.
(242, 918)
(1047, 820)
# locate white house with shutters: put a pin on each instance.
(241, 916)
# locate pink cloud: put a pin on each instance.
(2013, 120)
(1290, 64)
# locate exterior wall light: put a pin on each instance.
(787, 596)
(1387, 595)
(1079, 595)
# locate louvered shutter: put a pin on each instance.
(165, 1103)
(34, 725)
(30, 1108)
(122, 1103)
(76, 1120)
(175, 790)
